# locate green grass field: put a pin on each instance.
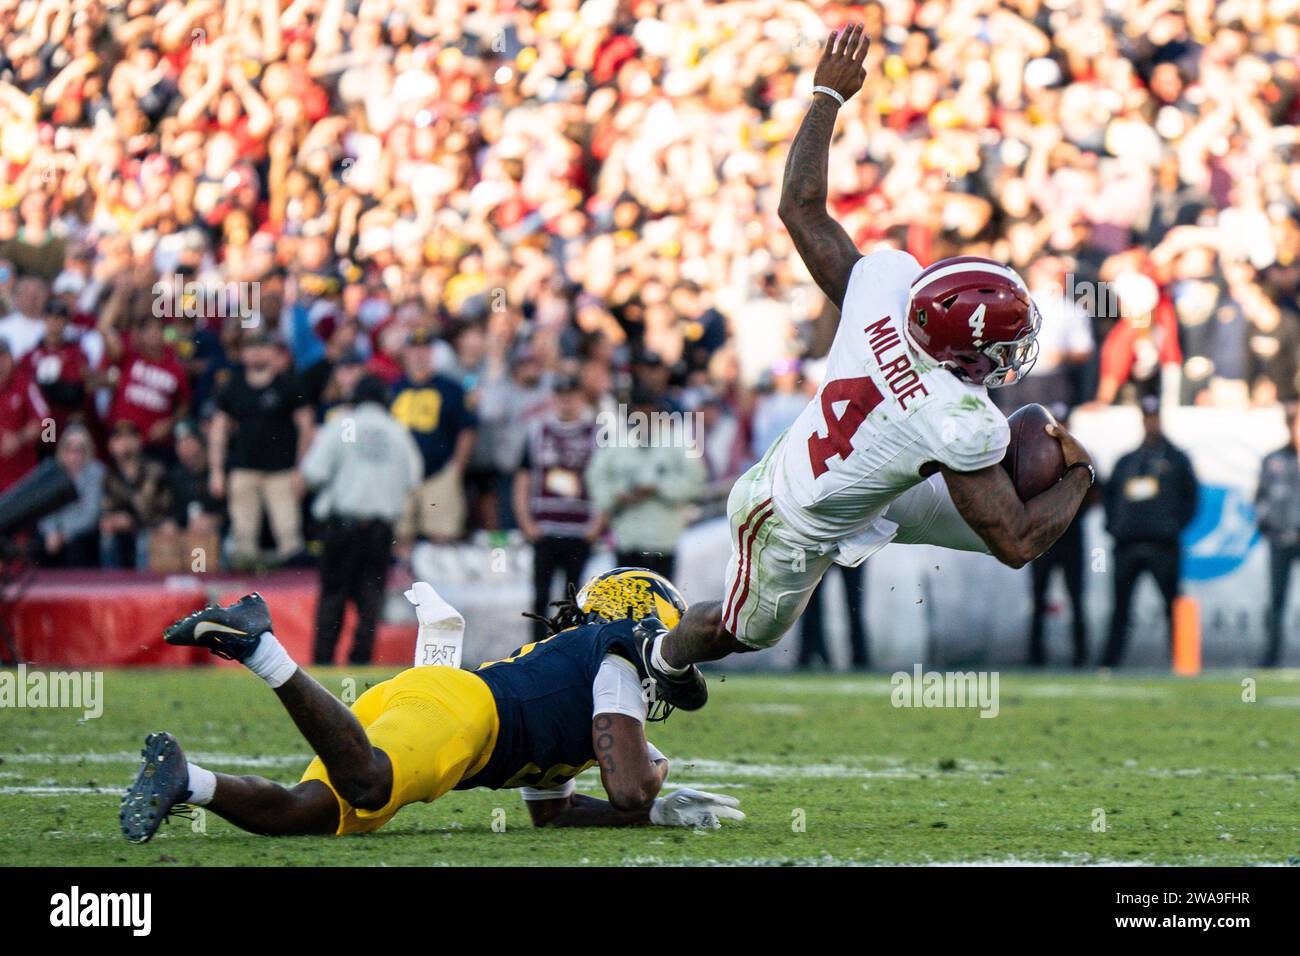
(827, 769)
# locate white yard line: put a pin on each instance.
(1090, 691)
(784, 710)
(827, 859)
(699, 771)
(56, 791)
(882, 687)
(133, 757)
(894, 769)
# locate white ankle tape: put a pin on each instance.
(202, 784)
(270, 661)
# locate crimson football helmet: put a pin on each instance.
(974, 316)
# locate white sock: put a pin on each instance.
(657, 658)
(271, 662)
(202, 784)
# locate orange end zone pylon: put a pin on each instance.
(1187, 637)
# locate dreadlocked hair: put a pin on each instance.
(567, 614)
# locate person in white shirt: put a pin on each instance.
(24, 327)
(364, 464)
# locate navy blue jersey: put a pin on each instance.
(436, 413)
(544, 702)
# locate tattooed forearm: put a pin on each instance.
(806, 166)
(1015, 531)
(604, 742)
(1050, 513)
(822, 243)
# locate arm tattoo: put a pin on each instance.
(1051, 512)
(1015, 532)
(821, 242)
(605, 743)
(806, 165)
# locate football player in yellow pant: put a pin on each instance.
(533, 721)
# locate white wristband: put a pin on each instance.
(829, 92)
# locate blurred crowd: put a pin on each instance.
(216, 219)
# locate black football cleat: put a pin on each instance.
(687, 691)
(160, 789)
(231, 632)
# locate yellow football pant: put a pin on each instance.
(437, 725)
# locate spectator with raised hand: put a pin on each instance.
(1142, 347)
(22, 414)
(151, 388)
(59, 367)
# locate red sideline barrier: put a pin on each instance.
(106, 619)
(78, 621)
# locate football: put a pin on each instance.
(1034, 460)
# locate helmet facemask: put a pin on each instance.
(1013, 360)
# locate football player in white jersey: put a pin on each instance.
(901, 442)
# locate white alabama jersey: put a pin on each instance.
(882, 412)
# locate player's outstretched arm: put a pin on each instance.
(632, 775)
(824, 246)
(1018, 531)
(579, 810)
(633, 772)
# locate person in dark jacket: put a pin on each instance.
(1149, 500)
(1277, 508)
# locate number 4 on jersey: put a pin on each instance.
(862, 396)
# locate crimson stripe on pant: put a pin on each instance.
(740, 557)
(740, 553)
(749, 552)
